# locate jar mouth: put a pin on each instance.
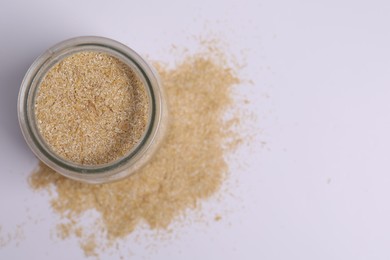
(30, 87)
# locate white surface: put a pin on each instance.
(319, 189)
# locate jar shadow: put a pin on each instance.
(11, 77)
(19, 49)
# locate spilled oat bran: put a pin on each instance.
(189, 167)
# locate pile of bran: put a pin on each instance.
(189, 167)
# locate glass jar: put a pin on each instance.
(138, 156)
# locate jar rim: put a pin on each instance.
(90, 173)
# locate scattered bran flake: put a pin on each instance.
(89, 246)
(78, 232)
(91, 108)
(63, 230)
(217, 218)
(190, 165)
(16, 236)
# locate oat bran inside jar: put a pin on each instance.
(91, 108)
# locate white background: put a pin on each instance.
(319, 188)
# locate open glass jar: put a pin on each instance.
(138, 155)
